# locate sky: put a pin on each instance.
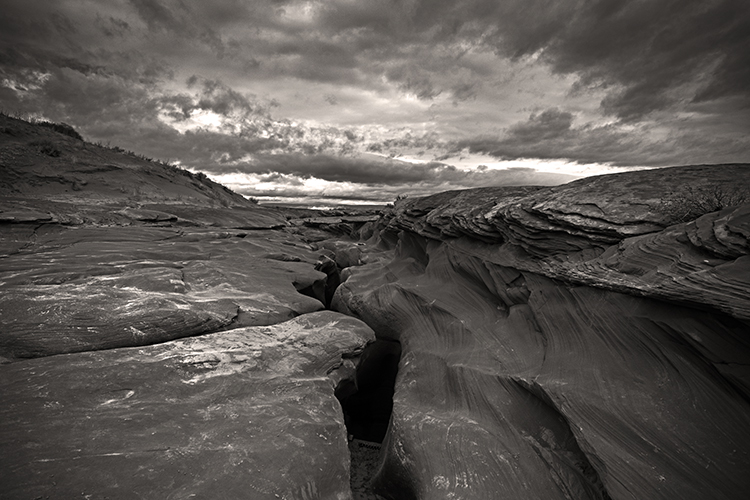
(366, 100)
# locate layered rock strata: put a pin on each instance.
(562, 355)
(162, 337)
(85, 288)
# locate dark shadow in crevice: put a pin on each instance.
(316, 290)
(367, 401)
(333, 277)
(324, 288)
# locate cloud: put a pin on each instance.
(548, 125)
(305, 89)
(370, 175)
(374, 180)
(647, 55)
(552, 135)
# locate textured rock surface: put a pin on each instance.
(105, 259)
(82, 288)
(566, 342)
(247, 413)
(528, 373)
(37, 162)
(608, 232)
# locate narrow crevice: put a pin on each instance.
(367, 402)
(315, 290)
(333, 278)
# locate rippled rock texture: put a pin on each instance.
(556, 350)
(83, 288)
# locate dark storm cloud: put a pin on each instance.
(550, 124)
(116, 70)
(651, 49)
(384, 179)
(644, 52)
(552, 135)
(355, 170)
(201, 21)
(381, 171)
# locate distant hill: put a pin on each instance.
(51, 161)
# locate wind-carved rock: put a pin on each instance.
(563, 343)
(556, 343)
(153, 340)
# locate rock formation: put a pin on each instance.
(564, 343)
(162, 337)
(245, 413)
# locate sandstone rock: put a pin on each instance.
(78, 289)
(605, 231)
(590, 213)
(563, 342)
(515, 385)
(248, 413)
(92, 174)
(568, 342)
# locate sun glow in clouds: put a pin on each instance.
(286, 185)
(198, 119)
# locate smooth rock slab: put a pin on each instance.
(248, 413)
(80, 289)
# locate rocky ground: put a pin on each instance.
(365, 461)
(163, 337)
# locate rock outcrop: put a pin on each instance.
(38, 162)
(246, 413)
(564, 343)
(162, 337)
(82, 288)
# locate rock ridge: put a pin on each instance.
(592, 351)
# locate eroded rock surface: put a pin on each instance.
(246, 413)
(163, 337)
(106, 260)
(588, 356)
(83, 288)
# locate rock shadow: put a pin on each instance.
(367, 402)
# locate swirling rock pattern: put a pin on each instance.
(162, 337)
(573, 352)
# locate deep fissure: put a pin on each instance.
(367, 403)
